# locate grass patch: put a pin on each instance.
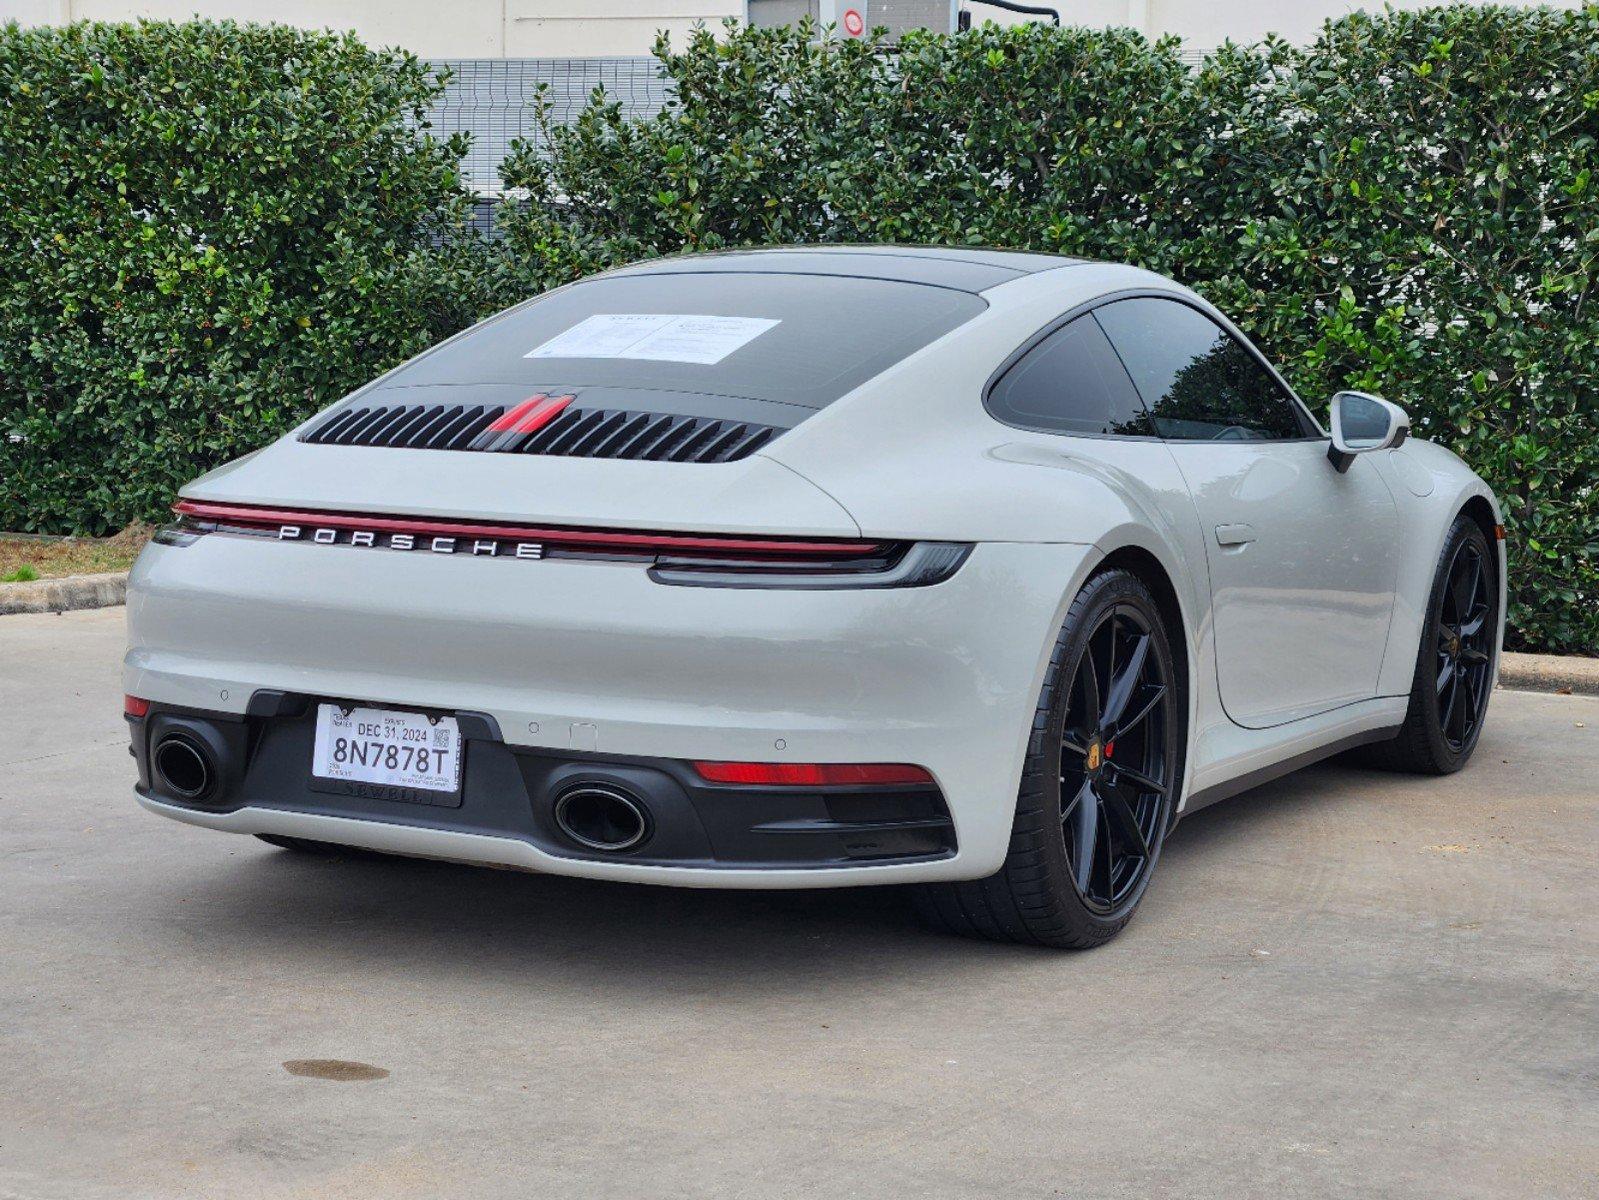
(25, 559)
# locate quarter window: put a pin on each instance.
(1200, 383)
(1071, 382)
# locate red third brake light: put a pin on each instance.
(541, 416)
(509, 420)
(133, 706)
(762, 774)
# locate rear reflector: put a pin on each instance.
(760, 774)
(133, 706)
(1499, 533)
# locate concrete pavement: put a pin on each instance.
(1345, 983)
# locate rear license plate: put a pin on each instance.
(387, 755)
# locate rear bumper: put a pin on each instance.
(453, 845)
(511, 797)
(593, 662)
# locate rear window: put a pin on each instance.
(797, 339)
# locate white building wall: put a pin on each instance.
(31, 12)
(592, 28)
(1204, 25)
(457, 29)
(599, 28)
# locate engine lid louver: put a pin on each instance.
(553, 425)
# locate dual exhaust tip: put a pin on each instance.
(600, 816)
(187, 767)
(597, 816)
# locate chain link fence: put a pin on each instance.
(493, 100)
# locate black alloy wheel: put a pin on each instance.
(1465, 647)
(1099, 784)
(1455, 664)
(1115, 793)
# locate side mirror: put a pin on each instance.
(1360, 423)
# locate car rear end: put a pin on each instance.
(538, 599)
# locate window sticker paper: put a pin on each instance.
(662, 337)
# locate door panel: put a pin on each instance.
(1302, 569)
(1301, 558)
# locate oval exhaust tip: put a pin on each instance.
(602, 817)
(185, 767)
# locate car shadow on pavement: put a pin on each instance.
(274, 903)
(1256, 813)
(611, 936)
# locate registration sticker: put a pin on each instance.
(386, 754)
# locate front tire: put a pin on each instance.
(1098, 785)
(1455, 662)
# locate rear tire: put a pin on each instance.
(1454, 663)
(1091, 815)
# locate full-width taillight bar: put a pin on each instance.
(622, 541)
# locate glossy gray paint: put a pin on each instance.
(1299, 632)
(1303, 562)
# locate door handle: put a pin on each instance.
(1234, 535)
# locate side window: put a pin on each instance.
(1071, 382)
(1200, 383)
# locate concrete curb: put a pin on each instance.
(1549, 673)
(59, 595)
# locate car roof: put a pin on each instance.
(962, 268)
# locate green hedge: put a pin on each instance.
(206, 231)
(210, 230)
(1409, 205)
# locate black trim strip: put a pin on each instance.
(921, 565)
(1253, 779)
